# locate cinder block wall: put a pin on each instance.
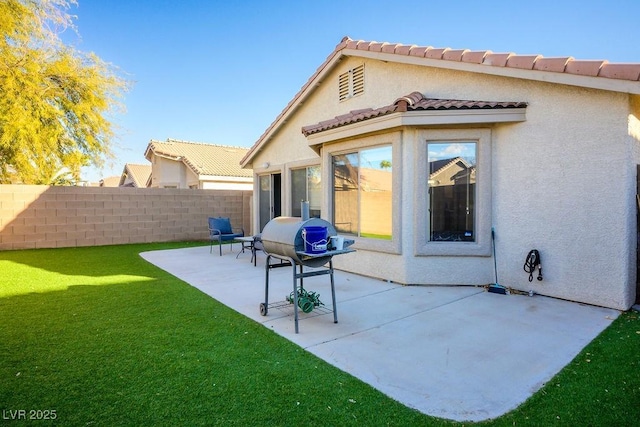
(34, 216)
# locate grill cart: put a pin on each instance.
(296, 243)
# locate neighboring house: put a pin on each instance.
(545, 151)
(135, 176)
(183, 164)
(110, 181)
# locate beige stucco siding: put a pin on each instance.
(166, 172)
(562, 182)
(554, 191)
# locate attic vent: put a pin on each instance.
(351, 83)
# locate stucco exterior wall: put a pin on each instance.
(554, 191)
(167, 173)
(562, 182)
(241, 186)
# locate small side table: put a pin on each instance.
(247, 243)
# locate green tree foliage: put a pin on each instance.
(385, 164)
(55, 101)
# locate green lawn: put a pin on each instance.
(97, 336)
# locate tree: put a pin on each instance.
(55, 101)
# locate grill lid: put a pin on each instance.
(283, 236)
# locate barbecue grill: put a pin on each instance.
(300, 243)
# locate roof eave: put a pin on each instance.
(148, 151)
(419, 118)
(594, 82)
(309, 87)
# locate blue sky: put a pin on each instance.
(221, 71)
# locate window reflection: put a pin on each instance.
(306, 184)
(452, 183)
(363, 192)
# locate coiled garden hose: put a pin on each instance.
(530, 264)
(306, 300)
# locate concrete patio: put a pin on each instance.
(453, 352)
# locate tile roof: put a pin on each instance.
(438, 166)
(139, 174)
(602, 72)
(201, 158)
(110, 181)
(415, 101)
(597, 68)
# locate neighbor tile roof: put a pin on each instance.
(446, 57)
(110, 181)
(413, 102)
(203, 159)
(139, 174)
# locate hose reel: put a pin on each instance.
(530, 264)
(307, 301)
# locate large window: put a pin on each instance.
(362, 192)
(306, 185)
(452, 191)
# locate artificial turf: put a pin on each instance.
(97, 336)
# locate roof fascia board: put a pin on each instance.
(419, 118)
(602, 83)
(189, 165)
(180, 159)
(168, 156)
(148, 152)
(471, 116)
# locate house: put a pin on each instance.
(428, 157)
(135, 175)
(183, 164)
(109, 181)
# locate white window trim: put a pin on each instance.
(482, 245)
(395, 140)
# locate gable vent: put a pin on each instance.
(351, 83)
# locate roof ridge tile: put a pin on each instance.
(557, 64)
(526, 62)
(570, 65)
(404, 49)
(420, 50)
(623, 71)
(363, 45)
(389, 47)
(497, 59)
(208, 144)
(475, 57)
(436, 53)
(584, 67)
(454, 54)
(376, 46)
